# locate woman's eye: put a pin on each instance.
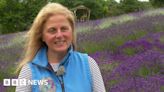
(52, 30)
(63, 29)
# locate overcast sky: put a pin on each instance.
(138, 0)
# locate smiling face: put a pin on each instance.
(57, 33)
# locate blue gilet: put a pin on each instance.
(77, 76)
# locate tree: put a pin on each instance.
(157, 3)
(10, 16)
(129, 5)
(17, 15)
(98, 8)
(113, 8)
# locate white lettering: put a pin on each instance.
(45, 82)
(34, 82)
(23, 82)
(6, 82)
(14, 82)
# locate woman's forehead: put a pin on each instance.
(57, 19)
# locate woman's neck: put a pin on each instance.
(55, 57)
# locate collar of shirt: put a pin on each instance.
(41, 58)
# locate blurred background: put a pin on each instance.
(125, 37)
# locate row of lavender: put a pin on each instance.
(130, 55)
(137, 67)
(129, 50)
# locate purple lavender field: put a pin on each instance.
(129, 50)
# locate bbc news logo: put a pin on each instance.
(23, 82)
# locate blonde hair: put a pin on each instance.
(34, 36)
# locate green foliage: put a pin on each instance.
(2, 75)
(145, 5)
(130, 5)
(18, 15)
(9, 16)
(111, 44)
(144, 71)
(157, 3)
(98, 8)
(161, 39)
(129, 51)
(11, 89)
(91, 49)
(113, 8)
(136, 35)
(113, 82)
(162, 88)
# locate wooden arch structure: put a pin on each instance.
(82, 13)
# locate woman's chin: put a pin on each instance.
(61, 49)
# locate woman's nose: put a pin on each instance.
(58, 34)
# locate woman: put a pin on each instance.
(51, 56)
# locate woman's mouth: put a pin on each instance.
(60, 42)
